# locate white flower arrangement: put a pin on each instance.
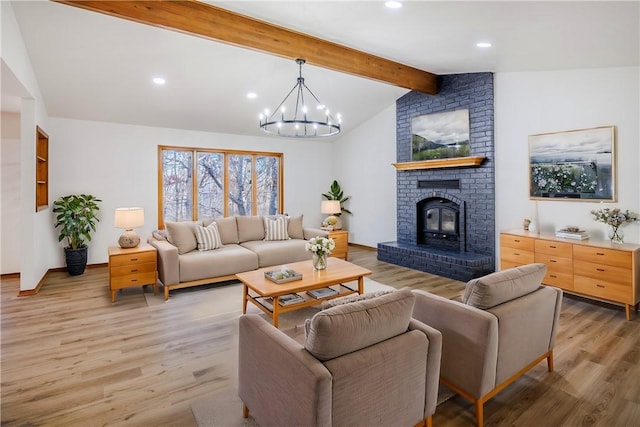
(320, 245)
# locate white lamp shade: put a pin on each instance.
(330, 207)
(129, 218)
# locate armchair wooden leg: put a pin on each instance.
(550, 361)
(479, 412)
(429, 421)
(245, 411)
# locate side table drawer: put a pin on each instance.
(135, 258)
(137, 279)
(124, 270)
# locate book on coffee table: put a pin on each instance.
(322, 292)
(289, 299)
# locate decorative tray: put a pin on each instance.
(283, 275)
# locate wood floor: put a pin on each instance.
(71, 358)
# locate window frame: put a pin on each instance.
(225, 152)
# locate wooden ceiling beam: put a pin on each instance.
(211, 22)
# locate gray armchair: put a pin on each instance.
(504, 326)
(362, 363)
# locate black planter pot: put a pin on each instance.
(76, 260)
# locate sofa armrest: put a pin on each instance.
(434, 356)
(310, 232)
(168, 264)
(469, 341)
(278, 380)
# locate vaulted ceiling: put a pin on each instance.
(98, 67)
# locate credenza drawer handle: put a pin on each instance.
(600, 269)
(134, 280)
(134, 270)
(600, 286)
(552, 246)
(134, 259)
(553, 276)
(516, 254)
(599, 253)
(516, 240)
(552, 260)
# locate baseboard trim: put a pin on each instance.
(7, 276)
(366, 248)
(34, 291)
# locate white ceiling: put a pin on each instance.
(96, 67)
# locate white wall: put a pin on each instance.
(10, 200)
(363, 159)
(538, 102)
(118, 164)
(34, 256)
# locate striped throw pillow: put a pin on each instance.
(276, 229)
(208, 237)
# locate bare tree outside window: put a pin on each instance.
(240, 194)
(267, 172)
(177, 173)
(225, 184)
(210, 185)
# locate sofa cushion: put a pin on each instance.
(294, 227)
(250, 228)
(350, 327)
(228, 230)
(497, 288)
(182, 235)
(278, 252)
(207, 237)
(225, 261)
(275, 229)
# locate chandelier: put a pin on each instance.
(298, 116)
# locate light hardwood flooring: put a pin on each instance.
(72, 358)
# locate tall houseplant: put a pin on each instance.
(336, 193)
(76, 215)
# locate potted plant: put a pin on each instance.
(336, 193)
(76, 215)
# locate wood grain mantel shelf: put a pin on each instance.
(458, 162)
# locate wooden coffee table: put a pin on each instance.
(256, 287)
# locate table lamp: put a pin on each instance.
(332, 207)
(128, 219)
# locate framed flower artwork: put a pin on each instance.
(573, 165)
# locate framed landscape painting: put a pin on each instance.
(440, 135)
(573, 165)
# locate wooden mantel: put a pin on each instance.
(457, 162)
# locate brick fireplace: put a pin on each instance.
(446, 216)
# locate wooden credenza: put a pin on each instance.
(591, 268)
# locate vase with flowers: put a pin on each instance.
(614, 218)
(320, 247)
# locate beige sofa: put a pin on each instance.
(238, 244)
(504, 326)
(364, 363)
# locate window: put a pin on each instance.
(225, 183)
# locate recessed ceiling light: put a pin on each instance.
(252, 95)
(393, 4)
(483, 44)
(159, 81)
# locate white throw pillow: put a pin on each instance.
(276, 229)
(208, 237)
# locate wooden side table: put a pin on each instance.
(132, 267)
(341, 238)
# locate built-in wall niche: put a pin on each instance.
(42, 169)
